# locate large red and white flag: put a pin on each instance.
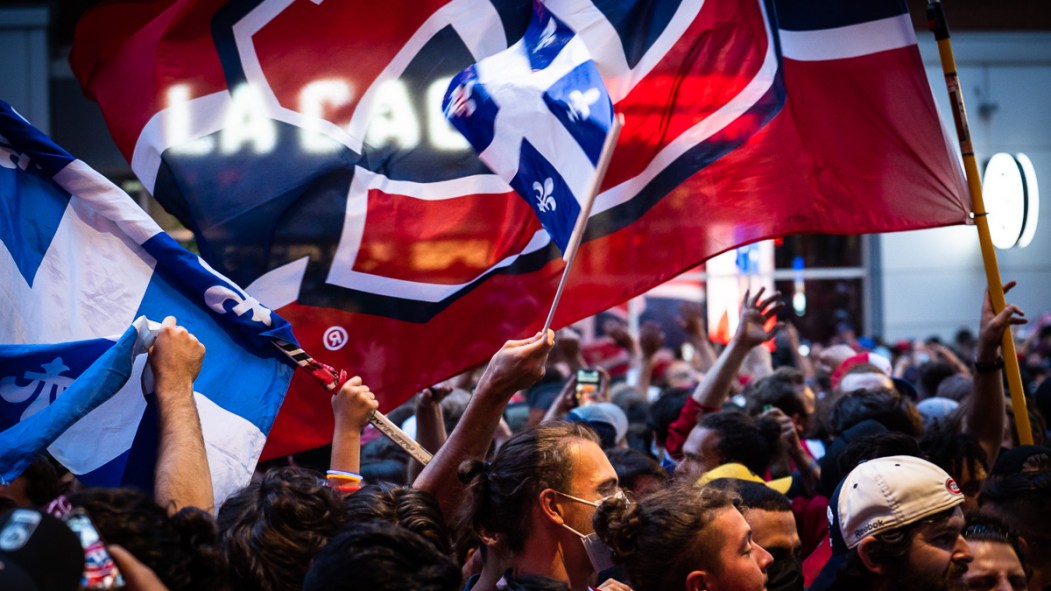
(303, 143)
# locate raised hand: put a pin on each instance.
(691, 319)
(176, 358)
(755, 312)
(433, 396)
(353, 405)
(993, 326)
(651, 338)
(517, 365)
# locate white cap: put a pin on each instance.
(891, 492)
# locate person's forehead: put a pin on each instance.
(731, 525)
(993, 557)
(769, 525)
(591, 468)
(692, 445)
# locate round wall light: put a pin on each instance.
(1012, 199)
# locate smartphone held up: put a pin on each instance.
(589, 382)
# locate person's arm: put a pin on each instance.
(986, 417)
(351, 407)
(808, 467)
(430, 422)
(137, 576)
(651, 339)
(714, 389)
(181, 478)
(692, 321)
(946, 354)
(516, 366)
(802, 363)
(567, 398)
(564, 402)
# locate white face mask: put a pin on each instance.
(599, 554)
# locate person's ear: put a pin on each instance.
(865, 554)
(697, 581)
(549, 506)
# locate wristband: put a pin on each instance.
(341, 475)
(989, 366)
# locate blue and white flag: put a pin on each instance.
(79, 263)
(537, 113)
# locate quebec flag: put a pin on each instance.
(537, 113)
(81, 269)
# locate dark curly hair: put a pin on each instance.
(414, 509)
(380, 556)
(529, 462)
(663, 537)
(183, 549)
(665, 410)
(632, 465)
(272, 528)
(779, 389)
(953, 452)
(885, 406)
(743, 439)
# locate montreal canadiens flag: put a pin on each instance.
(79, 263)
(538, 114)
(305, 145)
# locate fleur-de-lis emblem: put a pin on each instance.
(43, 387)
(544, 199)
(460, 103)
(9, 158)
(217, 296)
(580, 103)
(547, 36)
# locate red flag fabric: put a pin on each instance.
(304, 145)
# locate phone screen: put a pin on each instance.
(588, 381)
(100, 572)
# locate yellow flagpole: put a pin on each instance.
(940, 27)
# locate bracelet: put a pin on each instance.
(988, 366)
(341, 475)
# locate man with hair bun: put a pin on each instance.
(536, 501)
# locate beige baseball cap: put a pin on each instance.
(888, 493)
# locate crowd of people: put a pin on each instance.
(857, 465)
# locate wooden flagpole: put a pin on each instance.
(940, 27)
(585, 212)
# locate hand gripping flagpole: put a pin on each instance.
(940, 27)
(333, 379)
(585, 212)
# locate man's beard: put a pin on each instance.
(906, 579)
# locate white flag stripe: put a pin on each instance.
(847, 42)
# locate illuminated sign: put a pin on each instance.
(393, 119)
